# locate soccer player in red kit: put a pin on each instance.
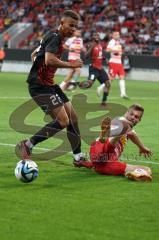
(106, 150)
(74, 46)
(48, 95)
(115, 66)
(96, 70)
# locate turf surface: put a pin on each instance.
(69, 203)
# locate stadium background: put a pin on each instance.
(67, 203)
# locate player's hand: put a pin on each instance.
(146, 152)
(77, 64)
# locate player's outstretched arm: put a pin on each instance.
(143, 150)
(52, 60)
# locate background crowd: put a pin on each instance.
(137, 20)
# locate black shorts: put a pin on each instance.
(99, 74)
(48, 97)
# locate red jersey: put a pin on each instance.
(105, 152)
(97, 57)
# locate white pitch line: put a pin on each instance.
(132, 160)
(13, 145)
(8, 98)
(136, 98)
(38, 148)
(47, 149)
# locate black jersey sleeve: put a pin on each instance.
(53, 44)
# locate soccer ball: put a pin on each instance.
(26, 171)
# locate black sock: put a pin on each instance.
(105, 95)
(74, 138)
(46, 132)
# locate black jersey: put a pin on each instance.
(40, 73)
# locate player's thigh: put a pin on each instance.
(60, 115)
(71, 113)
(46, 97)
(112, 70)
(121, 72)
(51, 100)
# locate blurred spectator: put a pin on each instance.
(137, 21)
(126, 64)
(2, 56)
(156, 52)
(6, 38)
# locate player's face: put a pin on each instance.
(133, 116)
(96, 37)
(77, 33)
(116, 35)
(68, 26)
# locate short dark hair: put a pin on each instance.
(72, 14)
(136, 107)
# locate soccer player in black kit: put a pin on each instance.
(48, 95)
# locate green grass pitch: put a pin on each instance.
(66, 203)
